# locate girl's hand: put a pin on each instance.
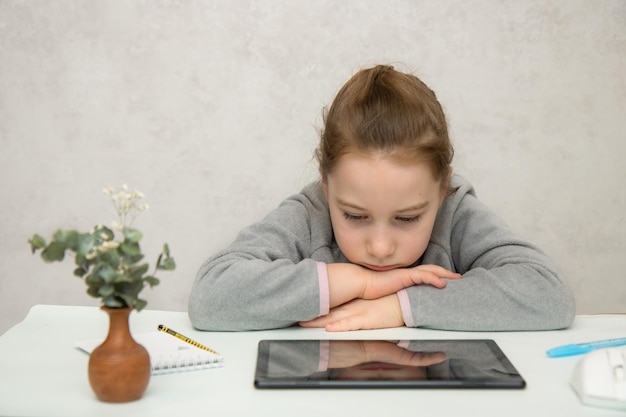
(347, 353)
(379, 284)
(361, 314)
(350, 281)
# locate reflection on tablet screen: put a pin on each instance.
(384, 363)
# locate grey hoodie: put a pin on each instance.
(273, 274)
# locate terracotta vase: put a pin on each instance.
(119, 369)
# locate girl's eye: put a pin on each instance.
(353, 217)
(408, 219)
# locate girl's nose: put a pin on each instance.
(380, 244)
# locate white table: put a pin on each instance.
(43, 374)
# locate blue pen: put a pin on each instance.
(580, 348)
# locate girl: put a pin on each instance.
(388, 236)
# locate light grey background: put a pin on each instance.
(211, 108)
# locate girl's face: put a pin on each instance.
(382, 212)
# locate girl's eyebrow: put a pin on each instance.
(345, 203)
(415, 207)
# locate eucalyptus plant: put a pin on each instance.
(111, 266)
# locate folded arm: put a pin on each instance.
(508, 283)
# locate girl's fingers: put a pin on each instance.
(439, 271)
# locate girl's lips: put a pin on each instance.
(380, 268)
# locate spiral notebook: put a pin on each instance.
(167, 354)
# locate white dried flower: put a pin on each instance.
(126, 204)
(108, 245)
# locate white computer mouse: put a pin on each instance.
(599, 378)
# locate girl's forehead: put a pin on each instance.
(358, 176)
(399, 157)
(383, 163)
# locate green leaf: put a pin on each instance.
(84, 243)
(93, 280)
(167, 264)
(71, 239)
(84, 263)
(130, 248)
(140, 304)
(128, 300)
(137, 271)
(113, 302)
(80, 272)
(55, 251)
(131, 260)
(106, 290)
(152, 281)
(131, 288)
(166, 250)
(93, 291)
(103, 230)
(131, 234)
(36, 242)
(111, 258)
(59, 236)
(106, 273)
(119, 278)
(65, 236)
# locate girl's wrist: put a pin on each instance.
(346, 282)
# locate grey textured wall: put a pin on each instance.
(211, 109)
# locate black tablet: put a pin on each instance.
(468, 363)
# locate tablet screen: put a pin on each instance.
(470, 363)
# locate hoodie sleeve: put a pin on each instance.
(268, 277)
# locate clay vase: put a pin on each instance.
(119, 369)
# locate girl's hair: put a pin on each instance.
(381, 111)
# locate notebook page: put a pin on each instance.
(167, 353)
